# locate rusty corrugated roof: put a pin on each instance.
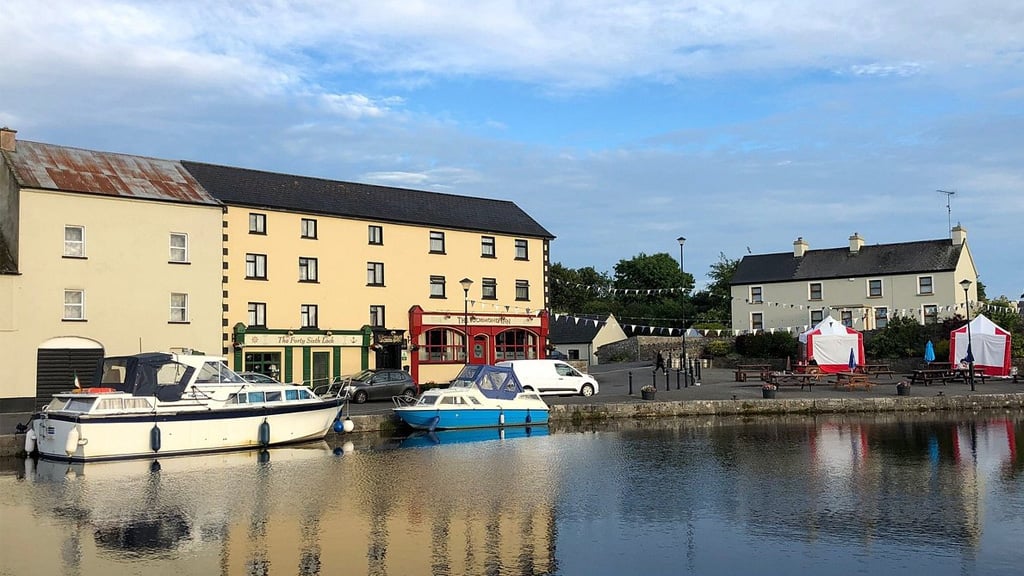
(50, 167)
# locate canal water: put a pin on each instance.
(880, 494)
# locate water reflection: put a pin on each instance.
(941, 494)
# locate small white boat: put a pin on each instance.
(480, 396)
(169, 404)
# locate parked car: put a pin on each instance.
(552, 377)
(379, 385)
(557, 355)
(257, 378)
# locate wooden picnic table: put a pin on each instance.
(794, 378)
(744, 370)
(876, 370)
(961, 375)
(929, 375)
(853, 380)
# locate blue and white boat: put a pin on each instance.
(481, 396)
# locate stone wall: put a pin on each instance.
(646, 348)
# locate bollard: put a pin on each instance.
(654, 378)
(677, 379)
(666, 381)
(630, 382)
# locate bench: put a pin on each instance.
(851, 380)
(743, 370)
(926, 377)
(877, 370)
(780, 378)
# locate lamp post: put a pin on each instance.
(682, 357)
(966, 284)
(466, 283)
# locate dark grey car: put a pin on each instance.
(380, 385)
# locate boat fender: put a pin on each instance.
(71, 444)
(264, 435)
(154, 438)
(432, 424)
(501, 417)
(348, 425)
(30, 441)
(338, 427)
(529, 418)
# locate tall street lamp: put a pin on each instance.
(682, 357)
(466, 284)
(966, 284)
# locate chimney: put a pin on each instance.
(799, 248)
(7, 140)
(959, 234)
(856, 243)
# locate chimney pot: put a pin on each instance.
(799, 247)
(856, 243)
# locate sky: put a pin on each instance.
(618, 125)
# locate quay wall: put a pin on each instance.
(13, 444)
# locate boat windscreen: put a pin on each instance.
(217, 373)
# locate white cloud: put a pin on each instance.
(355, 106)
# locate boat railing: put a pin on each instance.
(336, 388)
(404, 400)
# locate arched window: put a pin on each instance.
(515, 345)
(442, 345)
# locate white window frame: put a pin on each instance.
(74, 310)
(820, 314)
(883, 313)
(178, 254)
(179, 308)
(755, 319)
(73, 246)
(759, 297)
(881, 288)
(308, 269)
(846, 318)
(810, 291)
(931, 285)
(924, 314)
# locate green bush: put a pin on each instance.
(718, 348)
(767, 345)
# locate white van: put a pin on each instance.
(552, 377)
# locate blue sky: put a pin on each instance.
(619, 126)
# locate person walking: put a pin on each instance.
(660, 363)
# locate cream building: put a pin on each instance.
(324, 278)
(100, 253)
(862, 285)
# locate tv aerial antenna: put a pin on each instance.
(949, 213)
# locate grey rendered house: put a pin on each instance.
(579, 337)
(861, 285)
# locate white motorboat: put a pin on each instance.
(168, 404)
(480, 396)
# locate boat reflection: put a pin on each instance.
(424, 438)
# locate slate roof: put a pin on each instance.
(259, 189)
(872, 260)
(569, 330)
(51, 167)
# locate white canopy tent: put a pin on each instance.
(990, 346)
(830, 344)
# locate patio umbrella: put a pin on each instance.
(929, 352)
(853, 360)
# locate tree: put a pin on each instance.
(580, 290)
(714, 305)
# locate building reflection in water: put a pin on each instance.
(492, 503)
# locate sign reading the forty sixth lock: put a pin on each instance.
(303, 340)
